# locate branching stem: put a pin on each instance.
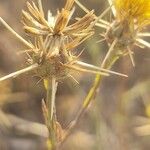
(107, 63)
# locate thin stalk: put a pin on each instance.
(50, 102)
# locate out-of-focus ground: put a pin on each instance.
(119, 119)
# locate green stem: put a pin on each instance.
(92, 93)
(107, 63)
(110, 58)
(50, 121)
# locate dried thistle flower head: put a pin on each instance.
(55, 38)
(51, 54)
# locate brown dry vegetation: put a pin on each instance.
(119, 118)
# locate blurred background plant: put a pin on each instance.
(119, 117)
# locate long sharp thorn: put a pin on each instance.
(102, 15)
(82, 7)
(112, 7)
(105, 23)
(143, 42)
(102, 40)
(144, 34)
(139, 45)
(99, 19)
(101, 25)
(131, 57)
(109, 52)
(17, 73)
(99, 69)
(16, 34)
(72, 77)
(85, 70)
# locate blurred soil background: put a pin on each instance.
(119, 119)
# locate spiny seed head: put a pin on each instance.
(121, 31)
(53, 68)
(54, 38)
(50, 54)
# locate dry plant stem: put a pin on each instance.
(107, 63)
(17, 73)
(50, 102)
(16, 34)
